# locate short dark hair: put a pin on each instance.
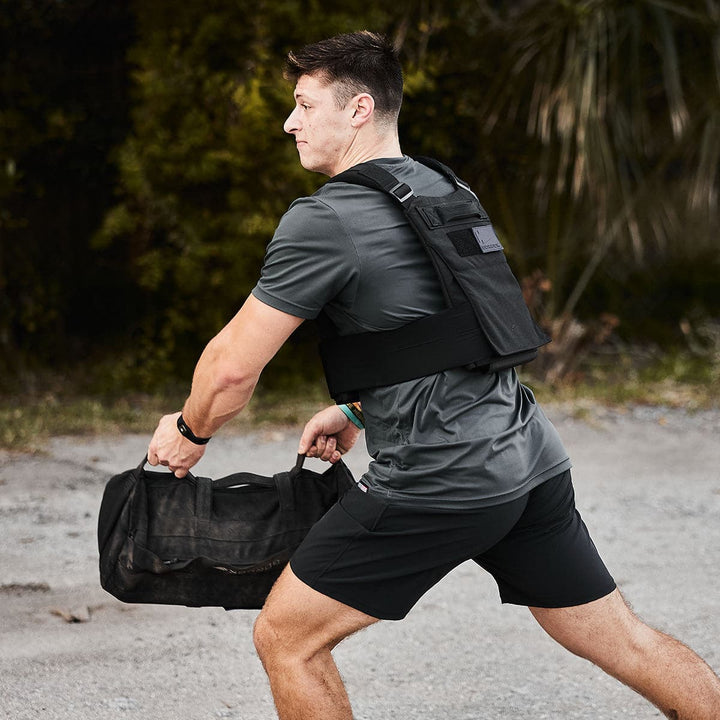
(355, 62)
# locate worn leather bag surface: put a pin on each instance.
(198, 542)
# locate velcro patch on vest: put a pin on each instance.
(474, 241)
(486, 238)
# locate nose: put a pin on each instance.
(292, 124)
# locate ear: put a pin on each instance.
(363, 107)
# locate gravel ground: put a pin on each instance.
(647, 484)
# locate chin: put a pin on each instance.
(314, 167)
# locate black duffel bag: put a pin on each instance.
(198, 542)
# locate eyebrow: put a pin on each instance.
(304, 96)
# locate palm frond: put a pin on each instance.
(622, 113)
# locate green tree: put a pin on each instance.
(207, 171)
(590, 129)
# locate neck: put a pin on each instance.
(382, 147)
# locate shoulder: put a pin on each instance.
(339, 207)
(312, 209)
(421, 178)
(314, 227)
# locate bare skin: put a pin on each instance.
(223, 383)
(329, 139)
(298, 628)
(294, 636)
(661, 669)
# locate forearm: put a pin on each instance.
(223, 382)
(220, 390)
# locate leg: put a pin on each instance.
(294, 636)
(378, 558)
(653, 664)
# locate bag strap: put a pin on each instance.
(141, 469)
(299, 463)
(203, 498)
(283, 481)
(232, 480)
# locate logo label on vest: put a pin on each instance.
(486, 238)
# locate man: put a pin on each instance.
(466, 466)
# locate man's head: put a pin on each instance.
(348, 96)
(361, 62)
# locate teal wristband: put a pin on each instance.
(351, 416)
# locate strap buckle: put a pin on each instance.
(401, 191)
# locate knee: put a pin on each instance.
(280, 642)
(266, 637)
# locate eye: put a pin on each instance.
(304, 106)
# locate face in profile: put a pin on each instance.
(323, 132)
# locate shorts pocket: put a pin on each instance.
(363, 507)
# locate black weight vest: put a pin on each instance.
(486, 326)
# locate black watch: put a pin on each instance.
(186, 432)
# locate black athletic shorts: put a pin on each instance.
(380, 557)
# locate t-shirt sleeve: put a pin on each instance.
(309, 261)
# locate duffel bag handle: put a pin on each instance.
(283, 481)
(295, 470)
(204, 486)
(141, 468)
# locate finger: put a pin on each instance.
(307, 440)
(330, 448)
(310, 433)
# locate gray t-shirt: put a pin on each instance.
(454, 439)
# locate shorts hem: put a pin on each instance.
(554, 604)
(317, 585)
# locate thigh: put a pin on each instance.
(600, 631)
(304, 619)
(548, 559)
(381, 557)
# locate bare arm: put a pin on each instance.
(223, 382)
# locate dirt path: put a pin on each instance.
(648, 486)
